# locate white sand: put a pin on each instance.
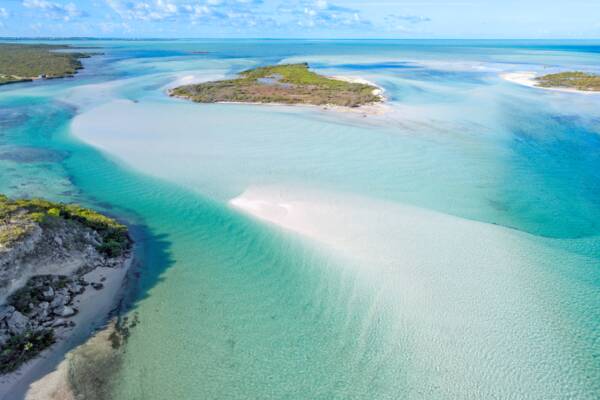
(367, 109)
(467, 293)
(528, 79)
(94, 307)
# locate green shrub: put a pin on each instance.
(22, 348)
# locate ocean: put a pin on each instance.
(446, 249)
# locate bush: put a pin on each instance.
(22, 348)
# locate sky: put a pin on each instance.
(301, 18)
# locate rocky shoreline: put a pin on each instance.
(48, 252)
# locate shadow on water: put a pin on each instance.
(37, 137)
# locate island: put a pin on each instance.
(48, 251)
(575, 80)
(283, 84)
(28, 62)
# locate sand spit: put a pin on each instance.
(528, 79)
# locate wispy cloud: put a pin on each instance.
(404, 23)
(54, 10)
(321, 14)
(170, 10)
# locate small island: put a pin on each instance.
(28, 62)
(282, 84)
(48, 251)
(576, 80)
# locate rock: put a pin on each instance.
(60, 300)
(44, 305)
(75, 288)
(58, 241)
(48, 294)
(17, 323)
(97, 285)
(41, 314)
(59, 322)
(6, 311)
(64, 311)
(4, 337)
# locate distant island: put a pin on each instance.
(28, 62)
(283, 84)
(570, 80)
(51, 255)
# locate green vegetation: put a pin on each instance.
(571, 80)
(25, 62)
(18, 217)
(22, 348)
(285, 84)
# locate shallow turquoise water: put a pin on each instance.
(491, 292)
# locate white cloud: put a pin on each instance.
(3, 12)
(224, 12)
(405, 23)
(323, 14)
(54, 10)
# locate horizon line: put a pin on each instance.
(134, 38)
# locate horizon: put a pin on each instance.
(441, 39)
(315, 19)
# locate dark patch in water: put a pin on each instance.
(33, 155)
(10, 119)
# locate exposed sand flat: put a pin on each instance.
(528, 79)
(467, 293)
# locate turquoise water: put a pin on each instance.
(446, 249)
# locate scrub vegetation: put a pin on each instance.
(19, 217)
(44, 233)
(26, 62)
(282, 84)
(571, 80)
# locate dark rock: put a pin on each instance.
(4, 337)
(6, 311)
(48, 294)
(59, 322)
(97, 285)
(65, 311)
(17, 323)
(75, 288)
(60, 300)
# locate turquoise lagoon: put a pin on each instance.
(448, 248)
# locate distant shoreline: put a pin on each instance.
(285, 84)
(378, 107)
(528, 78)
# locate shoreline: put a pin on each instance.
(528, 79)
(376, 108)
(95, 308)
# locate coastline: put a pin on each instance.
(528, 79)
(377, 108)
(95, 308)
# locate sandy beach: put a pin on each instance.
(94, 306)
(528, 79)
(368, 109)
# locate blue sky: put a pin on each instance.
(302, 18)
